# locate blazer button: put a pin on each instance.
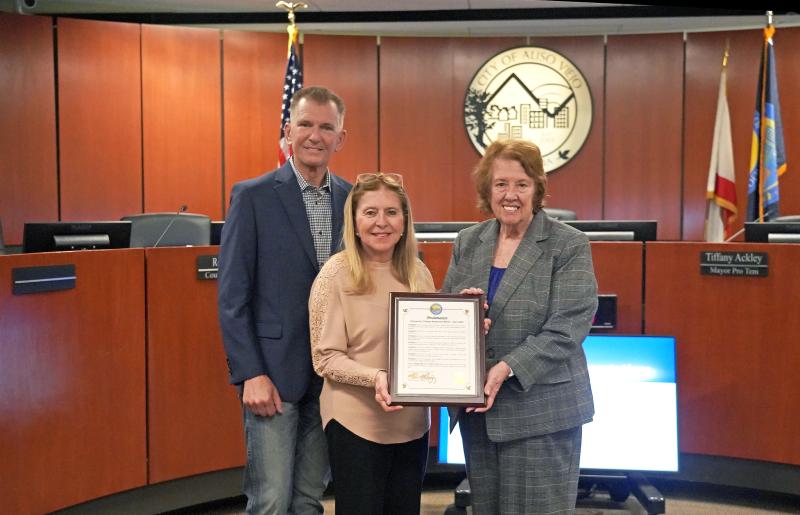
(490, 353)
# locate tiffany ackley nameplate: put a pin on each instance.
(436, 349)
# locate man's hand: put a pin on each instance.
(494, 380)
(382, 396)
(261, 397)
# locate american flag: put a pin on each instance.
(291, 83)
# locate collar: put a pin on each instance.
(326, 181)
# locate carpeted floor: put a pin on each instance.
(681, 499)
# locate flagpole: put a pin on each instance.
(725, 56)
(737, 233)
(762, 114)
(292, 80)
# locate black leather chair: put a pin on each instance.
(169, 229)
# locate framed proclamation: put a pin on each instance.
(436, 349)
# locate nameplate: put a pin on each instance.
(41, 279)
(207, 268)
(734, 264)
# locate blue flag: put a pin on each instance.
(767, 154)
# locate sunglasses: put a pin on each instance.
(387, 178)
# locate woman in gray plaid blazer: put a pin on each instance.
(523, 448)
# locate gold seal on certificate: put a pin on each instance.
(436, 349)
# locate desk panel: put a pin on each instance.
(195, 421)
(738, 355)
(618, 269)
(72, 396)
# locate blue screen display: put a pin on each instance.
(635, 426)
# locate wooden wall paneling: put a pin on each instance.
(181, 100)
(194, 415)
(737, 353)
(100, 119)
(253, 67)
(787, 41)
(644, 103)
(437, 258)
(469, 54)
(348, 65)
(418, 121)
(618, 269)
(27, 123)
(578, 185)
(703, 62)
(72, 409)
(584, 180)
(703, 65)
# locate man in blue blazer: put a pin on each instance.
(280, 229)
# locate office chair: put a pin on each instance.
(169, 229)
(560, 214)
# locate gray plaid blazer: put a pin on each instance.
(541, 313)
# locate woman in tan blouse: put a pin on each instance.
(377, 451)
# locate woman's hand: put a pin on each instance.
(487, 323)
(471, 291)
(382, 396)
(495, 378)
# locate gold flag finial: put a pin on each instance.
(769, 19)
(727, 52)
(290, 8)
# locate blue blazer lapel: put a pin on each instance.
(288, 192)
(524, 258)
(338, 197)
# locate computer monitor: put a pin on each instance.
(56, 236)
(635, 426)
(772, 232)
(617, 230)
(439, 231)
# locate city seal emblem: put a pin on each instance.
(531, 93)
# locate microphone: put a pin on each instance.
(180, 210)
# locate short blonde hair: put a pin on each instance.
(525, 153)
(404, 258)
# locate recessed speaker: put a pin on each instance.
(606, 315)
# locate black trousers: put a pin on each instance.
(375, 479)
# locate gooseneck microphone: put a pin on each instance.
(172, 221)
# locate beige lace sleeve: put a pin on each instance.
(328, 330)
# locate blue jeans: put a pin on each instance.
(287, 460)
